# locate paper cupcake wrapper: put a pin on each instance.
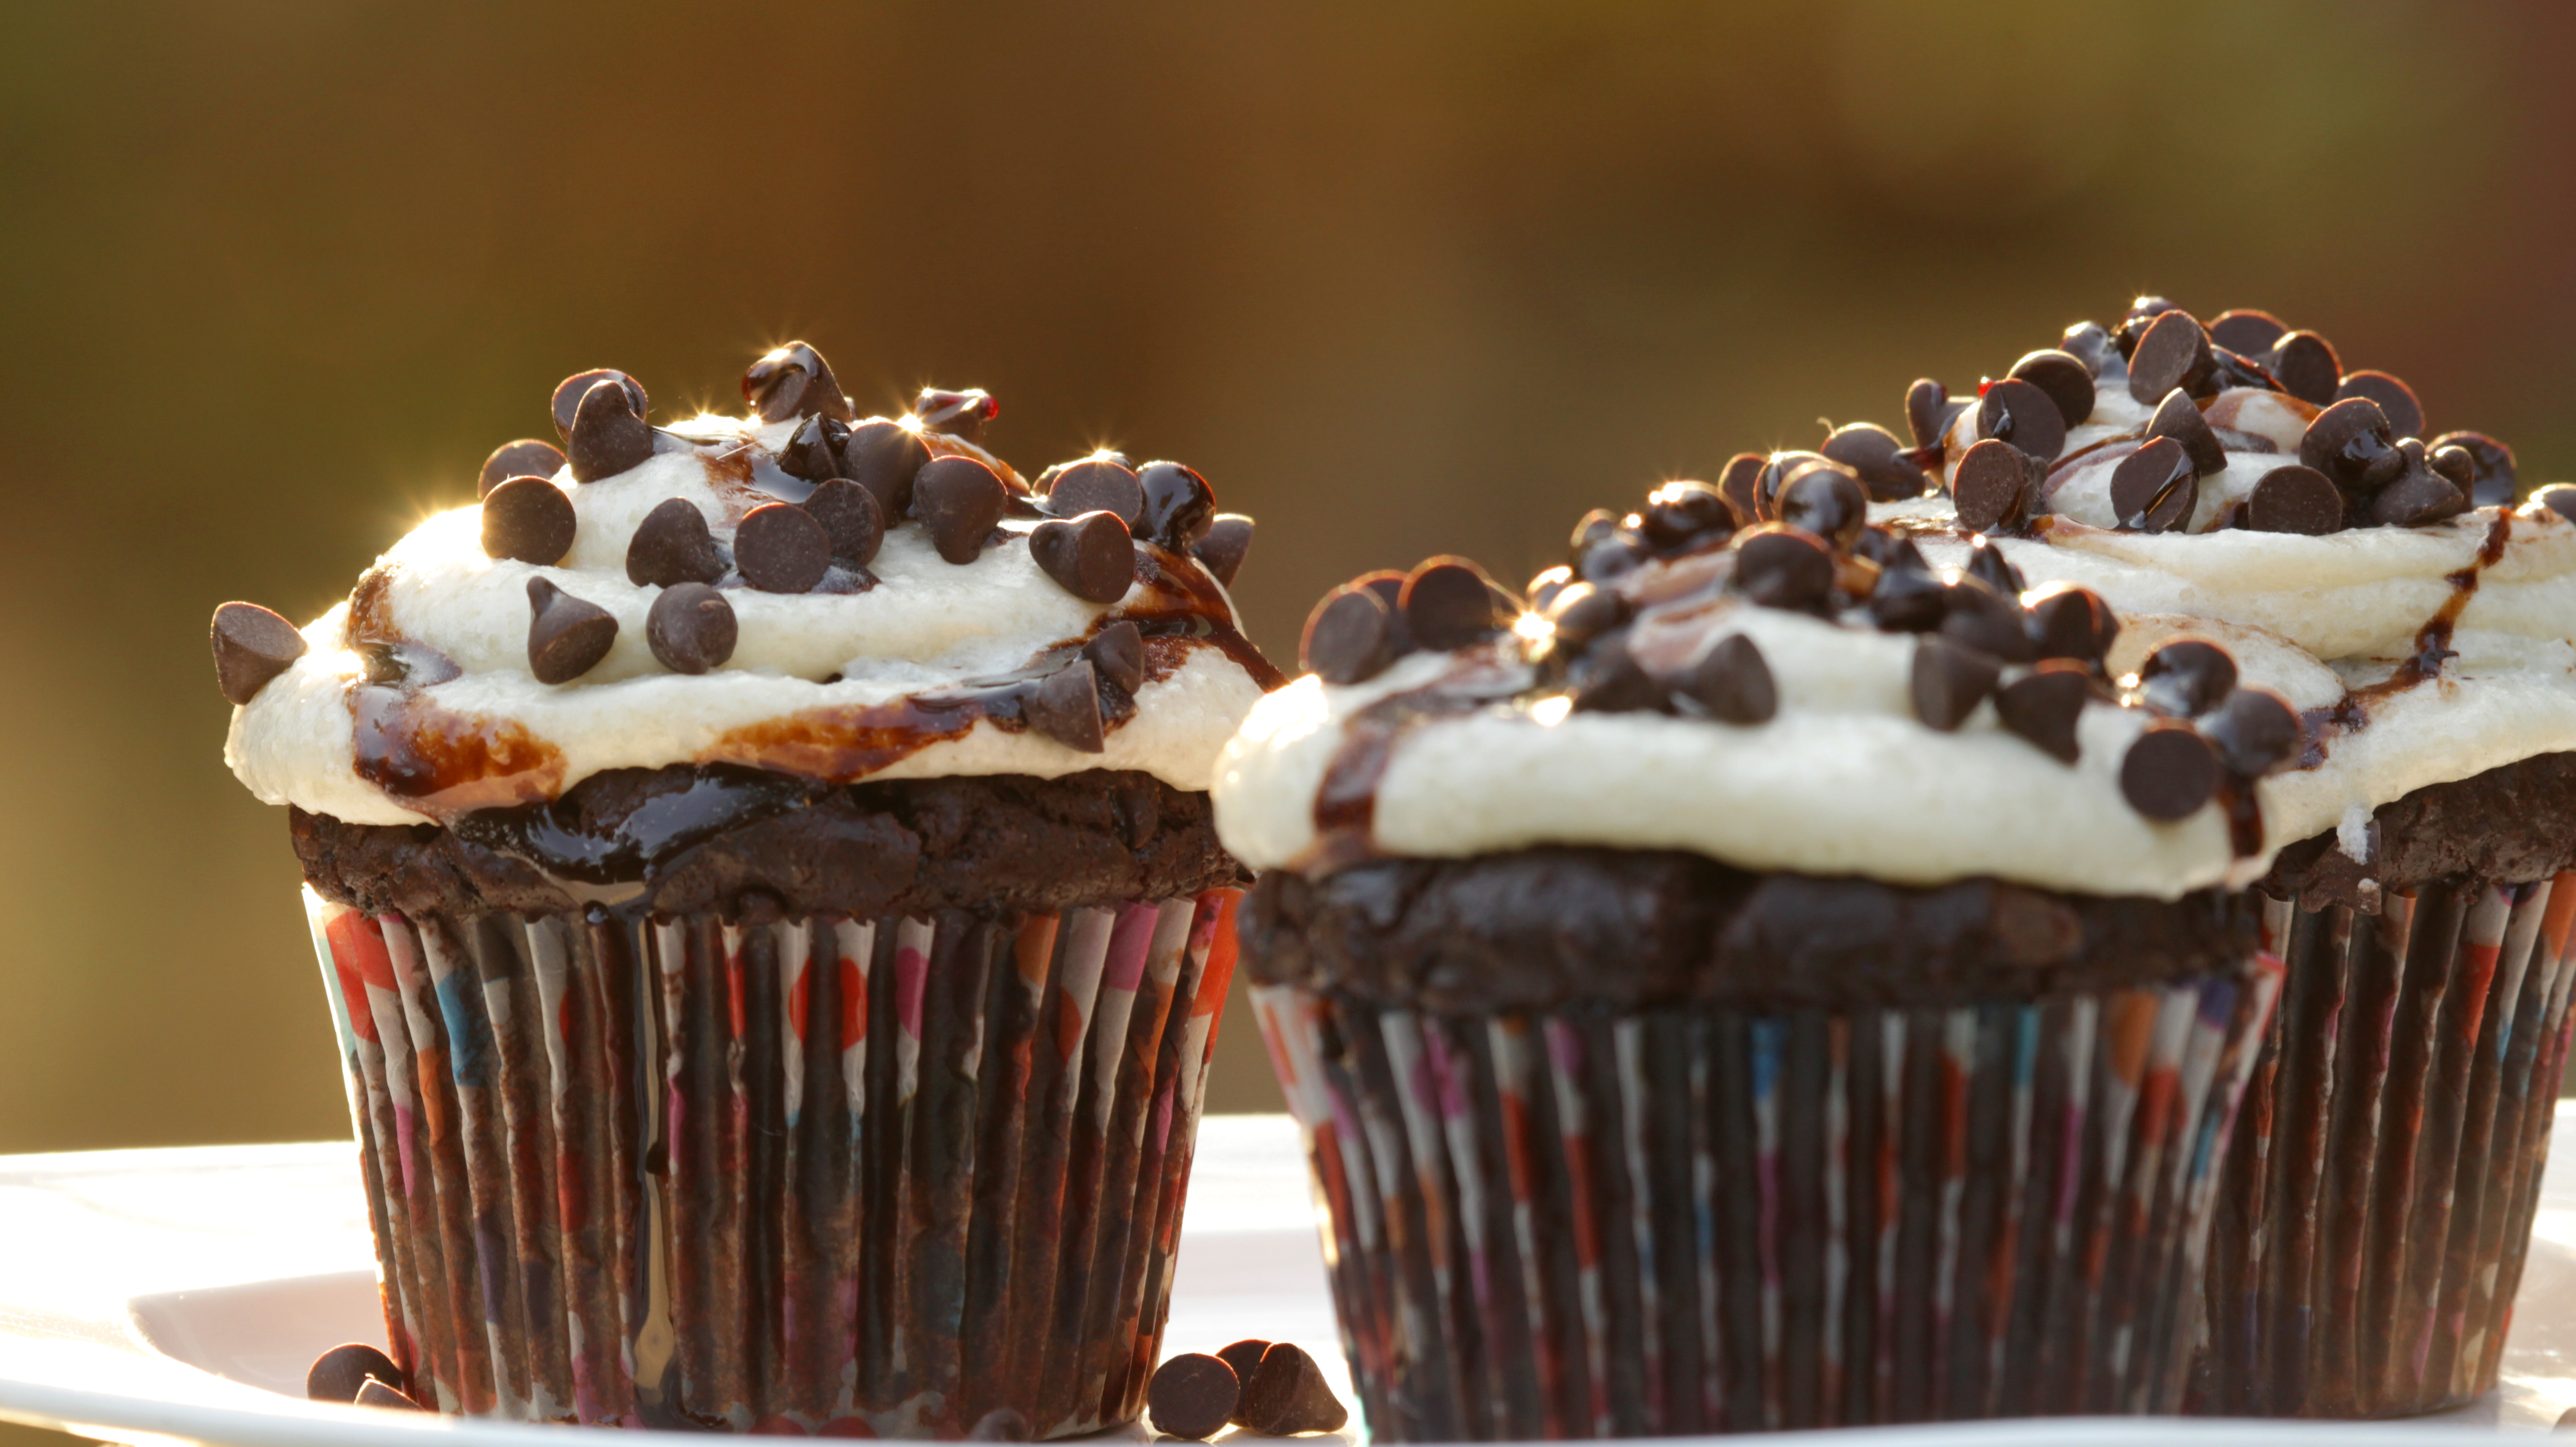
(848, 1176)
(2378, 1200)
(1592, 1223)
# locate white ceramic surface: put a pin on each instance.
(180, 1294)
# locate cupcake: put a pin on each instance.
(1715, 1002)
(2417, 603)
(773, 918)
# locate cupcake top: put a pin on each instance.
(1808, 693)
(799, 589)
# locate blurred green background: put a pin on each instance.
(1398, 279)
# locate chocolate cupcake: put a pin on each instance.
(774, 923)
(1769, 983)
(2416, 601)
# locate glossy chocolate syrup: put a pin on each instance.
(2432, 649)
(1346, 799)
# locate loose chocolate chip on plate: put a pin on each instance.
(2253, 731)
(1584, 612)
(337, 1374)
(2071, 622)
(1991, 622)
(1117, 652)
(567, 636)
(2172, 352)
(1090, 556)
(373, 1393)
(1287, 1395)
(1988, 565)
(1878, 460)
(570, 391)
(1684, 512)
(2307, 368)
(2044, 705)
(252, 645)
(2294, 499)
(1737, 483)
(1826, 499)
(814, 453)
(885, 458)
(1779, 568)
(781, 548)
(2064, 377)
(2017, 412)
(956, 414)
(1096, 485)
(1065, 707)
(2350, 443)
(1002, 1424)
(1929, 411)
(673, 545)
(1192, 1395)
(959, 500)
(2169, 772)
(2250, 333)
(2178, 417)
(1221, 552)
(1245, 1357)
(1908, 600)
(1447, 603)
(2187, 676)
(2155, 489)
(2405, 413)
(1993, 486)
(1948, 681)
(691, 628)
(526, 457)
(1350, 637)
(1178, 505)
(850, 518)
(608, 435)
(794, 381)
(2559, 498)
(2494, 479)
(1732, 683)
(528, 519)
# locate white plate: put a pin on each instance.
(182, 1293)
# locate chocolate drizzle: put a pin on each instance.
(2432, 649)
(1346, 799)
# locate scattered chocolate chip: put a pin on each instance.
(1736, 482)
(794, 381)
(1117, 653)
(1980, 617)
(1447, 603)
(252, 645)
(2559, 498)
(956, 414)
(337, 1374)
(2350, 443)
(2148, 308)
(2419, 495)
(2307, 368)
(1993, 486)
(2169, 772)
(2249, 333)
(1582, 613)
(1221, 552)
(2294, 499)
(526, 457)
(1607, 678)
(2017, 412)
(2405, 412)
(1948, 681)
(673, 545)
(2178, 417)
(1091, 556)
(2071, 622)
(2253, 731)
(2155, 489)
(608, 435)
(2064, 377)
(1388, 585)
(1002, 1424)
(1779, 568)
(885, 458)
(1178, 505)
(566, 635)
(2185, 677)
(1094, 485)
(1065, 707)
(782, 548)
(691, 628)
(1908, 600)
(1825, 498)
(959, 500)
(1350, 637)
(850, 518)
(2088, 343)
(570, 391)
(1878, 460)
(528, 519)
(814, 453)
(2172, 352)
(1929, 412)
(1192, 1395)
(373, 1393)
(2494, 480)
(1245, 1357)
(1988, 565)
(2044, 705)
(1732, 683)
(1682, 513)
(2231, 369)
(1287, 1395)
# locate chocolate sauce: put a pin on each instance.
(2432, 649)
(1346, 801)
(711, 800)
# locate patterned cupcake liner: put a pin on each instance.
(2378, 1201)
(838, 1176)
(1592, 1222)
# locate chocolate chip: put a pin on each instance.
(526, 457)
(1545, 585)
(794, 381)
(1948, 681)
(851, 520)
(1878, 460)
(2294, 499)
(959, 499)
(1776, 471)
(2172, 352)
(1178, 505)
(673, 545)
(1090, 556)
(2250, 333)
(337, 1374)
(1221, 552)
(1350, 637)
(781, 548)
(1929, 411)
(1732, 683)
(1245, 1357)
(2419, 495)
(2065, 378)
(252, 645)
(1825, 499)
(2495, 480)
(1117, 652)
(1991, 622)
(2559, 498)
(2306, 367)
(956, 414)
(2169, 772)
(691, 628)
(1683, 513)
(2148, 308)
(2253, 731)
(1287, 1395)
(528, 519)
(1002, 1424)
(1888, 550)
(2405, 413)
(570, 391)
(608, 435)
(1584, 612)
(1192, 1395)
(1094, 485)
(1388, 585)
(1782, 569)
(373, 1393)
(1066, 708)
(885, 459)
(2350, 443)
(2017, 412)
(1447, 604)
(1988, 565)
(1597, 527)
(2044, 705)
(2071, 622)
(814, 453)
(2088, 343)
(1607, 678)
(1908, 600)
(2186, 676)
(566, 635)
(2232, 369)
(2154, 489)
(1992, 488)
(2178, 417)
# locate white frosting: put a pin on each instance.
(929, 625)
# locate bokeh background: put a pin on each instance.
(275, 275)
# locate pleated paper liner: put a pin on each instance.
(1592, 1223)
(840, 1176)
(2379, 1197)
